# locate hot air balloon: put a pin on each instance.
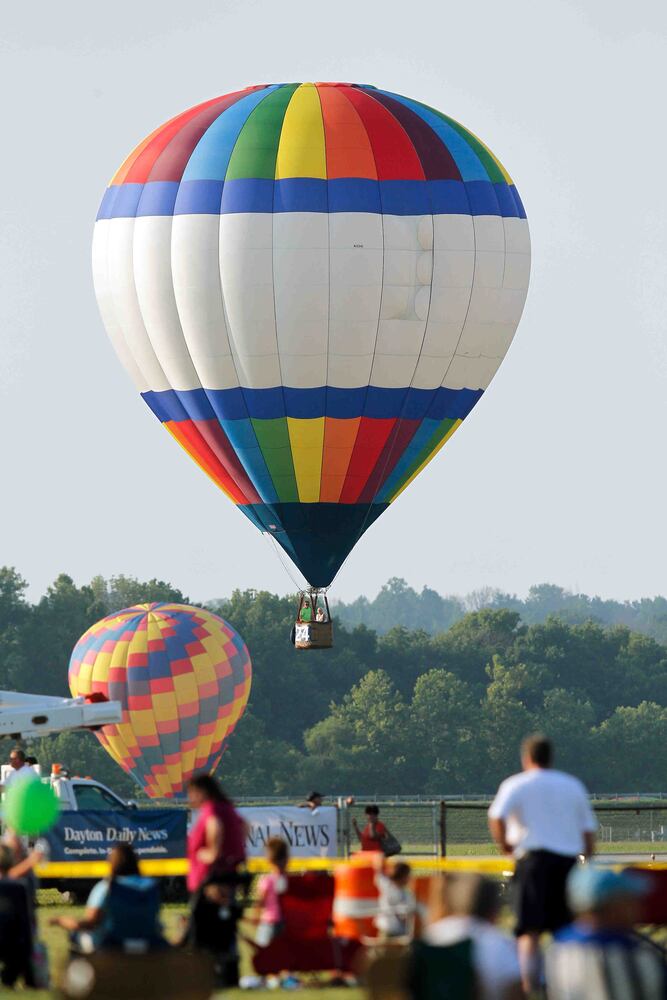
(311, 285)
(182, 676)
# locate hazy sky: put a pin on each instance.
(559, 474)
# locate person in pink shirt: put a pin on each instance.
(269, 890)
(216, 842)
(216, 850)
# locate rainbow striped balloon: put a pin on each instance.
(312, 285)
(182, 676)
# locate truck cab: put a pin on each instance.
(76, 794)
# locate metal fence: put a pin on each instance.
(625, 827)
(435, 828)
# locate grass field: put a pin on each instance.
(56, 942)
(638, 847)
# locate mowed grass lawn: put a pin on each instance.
(56, 940)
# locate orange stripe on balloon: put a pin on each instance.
(339, 438)
(348, 148)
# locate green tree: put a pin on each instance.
(14, 618)
(469, 646)
(122, 592)
(629, 750)
(443, 720)
(568, 720)
(362, 743)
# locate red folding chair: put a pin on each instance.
(306, 943)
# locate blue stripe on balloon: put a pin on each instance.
(199, 198)
(406, 198)
(210, 157)
(354, 194)
(158, 198)
(308, 194)
(120, 201)
(247, 194)
(420, 438)
(300, 194)
(243, 439)
(230, 406)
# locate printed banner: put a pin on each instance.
(310, 833)
(89, 836)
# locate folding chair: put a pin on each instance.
(306, 943)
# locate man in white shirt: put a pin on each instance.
(19, 769)
(543, 819)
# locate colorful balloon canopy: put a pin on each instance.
(312, 285)
(182, 676)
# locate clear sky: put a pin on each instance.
(559, 474)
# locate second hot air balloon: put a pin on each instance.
(312, 285)
(182, 676)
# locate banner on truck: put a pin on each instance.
(309, 833)
(89, 836)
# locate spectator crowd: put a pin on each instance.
(575, 923)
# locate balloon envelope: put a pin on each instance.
(182, 676)
(30, 808)
(311, 285)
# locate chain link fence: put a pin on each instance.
(435, 828)
(625, 827)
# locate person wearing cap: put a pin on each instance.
(313, 802)
(543, 818)
(598, 957)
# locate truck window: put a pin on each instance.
(94, 798)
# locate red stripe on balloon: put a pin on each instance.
(436, 160)
(394, 447)
(371, 439)
(172, 159)
(138, 165)
(395, 156)
(190, 438)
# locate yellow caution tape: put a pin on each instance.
(179, 866)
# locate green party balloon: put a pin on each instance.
(30, 807)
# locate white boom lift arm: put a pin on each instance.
(26, 715)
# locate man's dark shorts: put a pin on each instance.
(538, 890)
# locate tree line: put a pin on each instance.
(408, 711)
(399, 604)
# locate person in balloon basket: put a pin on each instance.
(543, 818)
(216, 850)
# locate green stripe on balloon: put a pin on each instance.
(256, 148)
(274, 442)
